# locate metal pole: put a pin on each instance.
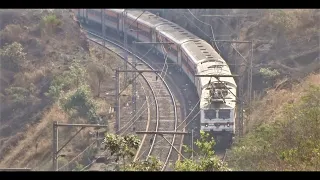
(103, 30)
(162, 132)
(117, 104)
(97, 137)
(125, 46)
(55, 147)
(134, 87)
(192, 143)
(250, 76)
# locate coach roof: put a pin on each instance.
(201, 51)
(147, 18)
(176, 33)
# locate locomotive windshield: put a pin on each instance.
(210, 114)
(224, 113)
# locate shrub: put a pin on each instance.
(75, 76)
(267, 73)
(20, 95)
(50, 22)
(121, 146)
(12, 56)
(205, 160)
(82, 103)
(11, 33)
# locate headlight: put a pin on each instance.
(206, 125)
(228, 124)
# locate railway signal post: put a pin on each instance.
(55, 149)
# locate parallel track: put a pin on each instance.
(165, 108)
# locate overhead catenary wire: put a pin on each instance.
(78, 155)
(163, 73)
(136, 114)
(207, 25)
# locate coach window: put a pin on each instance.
(210, 114)
(224, 113)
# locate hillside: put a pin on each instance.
(49, 72)
(285, 129)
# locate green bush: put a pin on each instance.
(78, 166)
(20, 95)
(123, 147)
(205, 160)
(74, 77)
(82, 102)
(267, 73)
(50, 22)
(152, 164)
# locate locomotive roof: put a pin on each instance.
(176, 33)
(147, 18)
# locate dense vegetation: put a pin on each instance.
(125, 147)
(290, 142)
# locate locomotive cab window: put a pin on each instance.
(210, 114)
(224, 113)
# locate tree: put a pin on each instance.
(206, 160)
(77, 73)
(121, 146)
(100, 72)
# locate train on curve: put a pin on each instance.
(190, 53)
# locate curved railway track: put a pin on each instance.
(162, 103)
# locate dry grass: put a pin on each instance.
(270, 107)
(11, 32)
(36, 141)
(23, 79)
(292, 21)
(47, 54)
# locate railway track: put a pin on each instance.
(157, 109)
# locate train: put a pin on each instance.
(201, 63)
